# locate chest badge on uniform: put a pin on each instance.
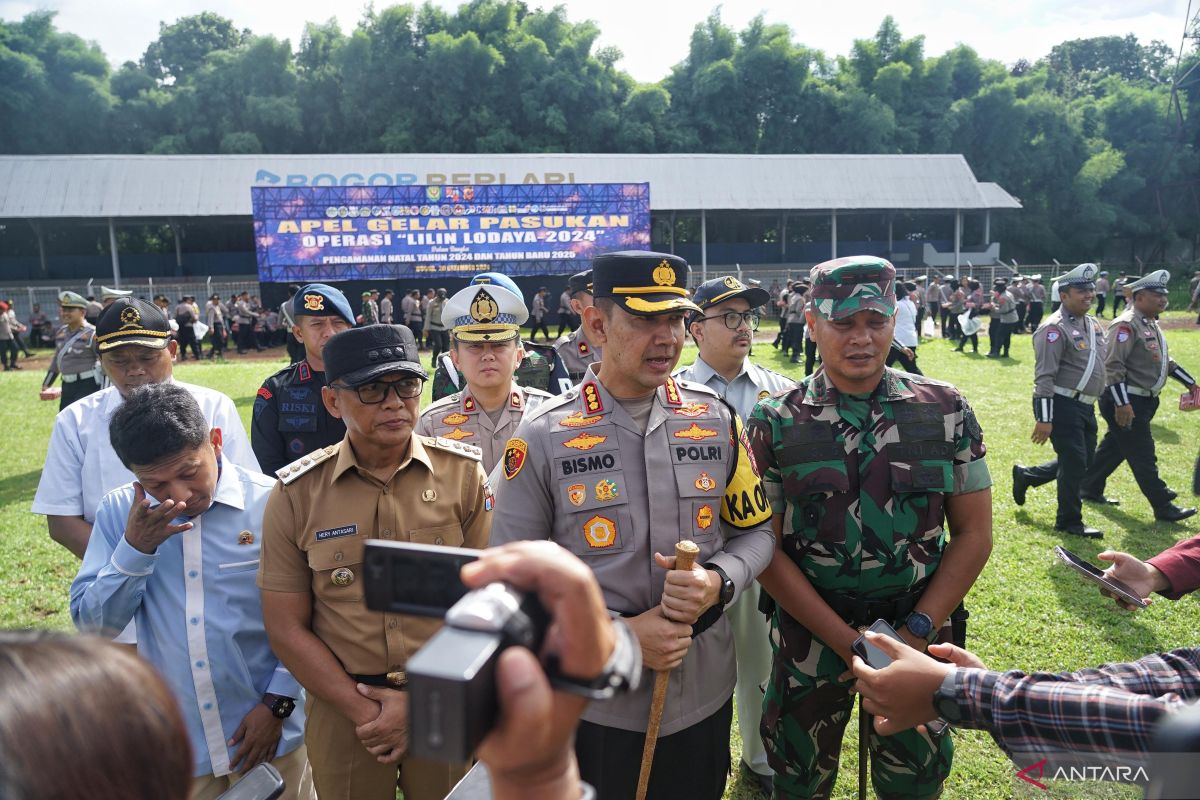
(457, 434)
(1081, 344)
(692, 410)
(600, 532)
(245, 537)
(705, 482)
(764, 394)
(704, 517)
(576, 493)
(429, 495)
(576, 419)
(455, 419)
(342, 576)
(514, 457)
(585, 441)
(695, 433)
(606, 490)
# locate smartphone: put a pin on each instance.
(877, 659)
(261, 783)
(407, 578)
(1090, 572)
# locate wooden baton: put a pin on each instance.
(685, 556)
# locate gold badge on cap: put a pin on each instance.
(131, 318)
(484, 307)
(733, 283)
(245, 537)
(663, 274)
(342, 576)
(429, 495)
(314, 302)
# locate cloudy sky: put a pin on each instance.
(653, 34)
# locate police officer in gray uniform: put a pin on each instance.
(485, 329)
(575, 352)
(75, 357)
(620, 469)
(1137, 366)
(1069, 376)
(723, 330)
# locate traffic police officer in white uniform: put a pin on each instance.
(620, 469)
(1069, 376)
(1138, 366)
(485, 330)
(724, 331)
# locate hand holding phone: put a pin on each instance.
(1118, 588)
(877, 659)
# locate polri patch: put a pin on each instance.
(336, 533)
(514, 457)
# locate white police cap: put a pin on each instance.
(1156, 282)
(485, 313)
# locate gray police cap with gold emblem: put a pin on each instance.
(485, 313)
(1156, 282)
(1082, 277)
(71, 300)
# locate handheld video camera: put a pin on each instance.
(452, 679)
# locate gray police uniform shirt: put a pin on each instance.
(576, 354)
(581, 472)
(1137, 355)
(752, 384)
(460, 418)
(1067, 350)
(74, 354)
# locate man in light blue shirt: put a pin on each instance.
(184, 569)
(724, 331)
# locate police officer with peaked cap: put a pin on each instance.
(75, 357)
(1069, 375)
(539, 369)
(862, 465)
(723, 330)
(107, 295)
(485, 330)
(575, 350)
(618, 470)
(289, 418)
(1137, 368)
(380, 482)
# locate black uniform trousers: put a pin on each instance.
(1074, 440)
(692, 764)
(1134, 444)
(793, 340)
(1034, 315)
(76, 390)
(1100, 301)
(245, 338)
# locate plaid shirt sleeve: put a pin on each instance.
(1114, 708)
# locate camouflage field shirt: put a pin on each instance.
(861, 480)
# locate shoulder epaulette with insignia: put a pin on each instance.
(693, 386)
(304, 464)
(458, 448)
(530, 390)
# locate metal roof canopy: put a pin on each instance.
(121, 187)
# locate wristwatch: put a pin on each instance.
(920, 625)
(282, 707)
(945, 699)
(727, 587)
(622, 673)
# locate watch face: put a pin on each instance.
(920, 624)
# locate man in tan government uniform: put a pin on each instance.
(380, 482)
(486, 349)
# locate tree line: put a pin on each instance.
(1098, 138)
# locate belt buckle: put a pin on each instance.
(397, 679)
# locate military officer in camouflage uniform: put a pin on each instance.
(1069, 375)
(575, 351)
(539, 369)
(1137, 366)
(620, 469)
(723, 330)
(862, 465)
(485, 345)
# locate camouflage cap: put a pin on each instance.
(845, 286)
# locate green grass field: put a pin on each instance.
(1025, 612)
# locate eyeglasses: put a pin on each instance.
(376, 392)
(734, 320)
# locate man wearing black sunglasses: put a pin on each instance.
(723, 330)
(380, 482)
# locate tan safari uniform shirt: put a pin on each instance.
(320, 514)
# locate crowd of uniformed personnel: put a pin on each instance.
(819, 505)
